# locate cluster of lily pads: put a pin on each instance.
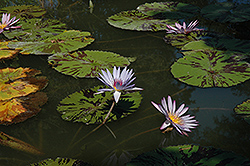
(205, 63)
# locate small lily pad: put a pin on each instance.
(135, 20)
(17, 144)
(210, 69)
(19, 109)
(20, 82)
(5, 52)
(227, 12)
(36, 30)
(59, 161)
(84, 106)
(67, 41)
(244, 110)
(86, 63)
(188, 155)
(170, 10)
(179, 40)
(24, 11)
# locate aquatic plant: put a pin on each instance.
(6, 23)
(181, 123)
(118, 82)
(183, 28)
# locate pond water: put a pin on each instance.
(218, 126)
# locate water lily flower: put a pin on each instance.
(183, 28)
(118, 82)
(7, 23)
(181, 123)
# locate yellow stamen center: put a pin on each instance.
(3, 26)
(175, 119)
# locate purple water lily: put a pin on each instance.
(118, 82)
(6, 23)
(181, 123)
(183, 28)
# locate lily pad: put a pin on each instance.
(170, 10)
(19, 109)
(17, 144)
(84, 106)
(188, 155)
(179, 40)
(227, 12)
(19, 82)
(5, 52)
(135, 20)
(244, 110)
(86, 63)
(67, 41)
(195, 46)
(36, 30)
(210, 69)
(24, 11)
(61, 162)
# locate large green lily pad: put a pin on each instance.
(227, 12)
(59, 161)
(86, 63)
(36, 30)
(67, 41)
(195, 46)
(170, 10)
(244, 110)
(135, 20)
(188, 155)
(179, 40)
(84, 106)
(210, 69)
(24, 11)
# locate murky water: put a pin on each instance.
(138, 133)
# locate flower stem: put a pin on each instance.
(111, 108)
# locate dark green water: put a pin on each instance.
(213, 107)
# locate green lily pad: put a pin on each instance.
(195, 46)
(24, 11)
(170, 10)
(67, 41)
(210, 69)
(188, 155)
(36, 30)
(244, 110)
(86, 63)
(20, 82)
(61, 162)
(227, 12)
(84, 106)
(135, 20)
(179, 40)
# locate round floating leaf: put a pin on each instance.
(188, 155)
(195, 46)
(19, 109)
(84, 106)
(36, 30)
(19, 82)
(179, 40)
(210, 69)
(135, 20)
(244, 110)
(61, 162)
(67, 41)
(24, 11)
(170, 10)
(227, 12)
(86, 63)
(5, 52)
